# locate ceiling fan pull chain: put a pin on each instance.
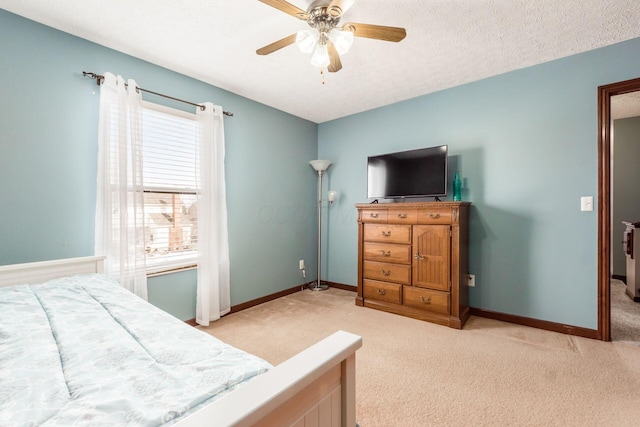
(322, 74)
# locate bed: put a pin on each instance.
(78, 349)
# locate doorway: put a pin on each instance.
(605, 141)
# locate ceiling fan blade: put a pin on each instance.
(336, 64)
(270, 48)
(380, 32)
(287, 8)
(338, 7)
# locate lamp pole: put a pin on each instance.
(320, 166)
(319, 285)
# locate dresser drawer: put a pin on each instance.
(434, 215)
(423, 299)
(389, 233)
(387, 252)
(402, 216)
(373, 215)
(396, 273)
(382, 291)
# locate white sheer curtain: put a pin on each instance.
(213, 289)
(119, 231)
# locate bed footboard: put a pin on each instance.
(316, 387)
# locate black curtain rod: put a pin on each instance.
(100, 78)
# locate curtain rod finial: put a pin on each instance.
(95, 76)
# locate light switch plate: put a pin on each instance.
(586, 203)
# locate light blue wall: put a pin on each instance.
(48, 148)
(525, 143)
(175, 293)
(626, 186)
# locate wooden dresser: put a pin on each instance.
(413, 260)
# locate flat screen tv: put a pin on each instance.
(413, 173)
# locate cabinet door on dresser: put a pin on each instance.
(431, 262)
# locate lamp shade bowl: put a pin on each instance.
(320, 165)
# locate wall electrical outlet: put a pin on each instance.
(301, 263)
(471, 280)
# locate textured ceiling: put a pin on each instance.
(449, 42)
(625, 106)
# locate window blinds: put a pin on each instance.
(170, 177)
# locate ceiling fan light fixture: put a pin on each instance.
(320, 57)
(326, 39)
(341, 39)
(307, 40)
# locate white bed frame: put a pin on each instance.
(314, 388)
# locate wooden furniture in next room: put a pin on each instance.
(413, 260)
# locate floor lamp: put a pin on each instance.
(320, 166)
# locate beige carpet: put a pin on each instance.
(625, 315)
(414, 373)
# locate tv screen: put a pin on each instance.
(413, 173)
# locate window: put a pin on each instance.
(170, 177)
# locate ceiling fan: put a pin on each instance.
(326, 39)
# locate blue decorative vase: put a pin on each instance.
(457, 188)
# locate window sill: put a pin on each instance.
(171, 271)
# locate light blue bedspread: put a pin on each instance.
(84, 351)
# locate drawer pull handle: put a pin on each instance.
(386, 233)
(427, 301)
(381, 291)
(374, 215)
(418, 256)
(402, 215)
(432, 215)
(387, 253)
(386, 273)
